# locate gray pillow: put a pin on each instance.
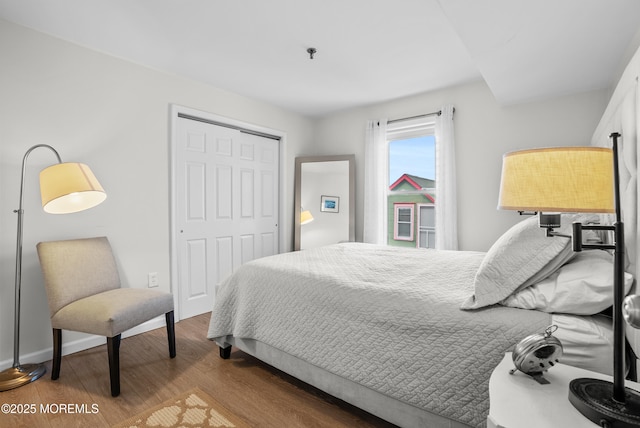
(523, 256)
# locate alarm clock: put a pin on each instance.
(537, 353)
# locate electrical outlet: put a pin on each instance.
(152, 279)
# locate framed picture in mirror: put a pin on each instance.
(330, 204)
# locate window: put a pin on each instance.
(426, 226)
(411, 191)
(403, 222)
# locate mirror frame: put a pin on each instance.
(298, 192)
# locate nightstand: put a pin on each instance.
(518, 401)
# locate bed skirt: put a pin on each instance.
(380, 405)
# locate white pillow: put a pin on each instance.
(522, 256)
(583, 286)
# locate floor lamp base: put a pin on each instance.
(15, 377)
(594, 399)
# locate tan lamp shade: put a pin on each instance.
(69, 187)
(561, 179)
(306, 217)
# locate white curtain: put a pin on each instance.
(375, 176)
(446, 207)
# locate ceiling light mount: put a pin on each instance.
(311, 52)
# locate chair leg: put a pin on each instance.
(113, 347)
(57, 353)
(171, 334)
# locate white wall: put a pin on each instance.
(484, 131)
(114, 116)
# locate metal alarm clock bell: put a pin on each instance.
(537, 353)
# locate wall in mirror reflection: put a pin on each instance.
(325, 194)
(324, 191)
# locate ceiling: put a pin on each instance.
(368, 51)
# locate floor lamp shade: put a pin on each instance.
(69, 187)
(306, 217)
(562, 179)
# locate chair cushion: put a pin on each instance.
(77, 268)
(112, 312)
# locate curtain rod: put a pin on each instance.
(435, 113)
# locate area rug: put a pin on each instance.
(193, 408)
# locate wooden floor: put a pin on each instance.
(259, 394)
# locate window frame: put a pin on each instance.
(396, 221)
(425, 228)
(403, 130)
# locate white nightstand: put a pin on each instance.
(518, 401)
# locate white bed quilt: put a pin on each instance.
(385, 317)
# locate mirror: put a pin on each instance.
(324, 201)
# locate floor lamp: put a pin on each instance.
(64, 188)
(581, 180)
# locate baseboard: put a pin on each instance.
(82, 344)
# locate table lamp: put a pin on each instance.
(550, 181)
(64, 188)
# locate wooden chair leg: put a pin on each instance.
(113, 347)
(57, 353)
(171, 334)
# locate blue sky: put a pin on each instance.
(415, 156)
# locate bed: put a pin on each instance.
(413, 335)
(380, 318)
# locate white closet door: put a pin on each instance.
(227, 207)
